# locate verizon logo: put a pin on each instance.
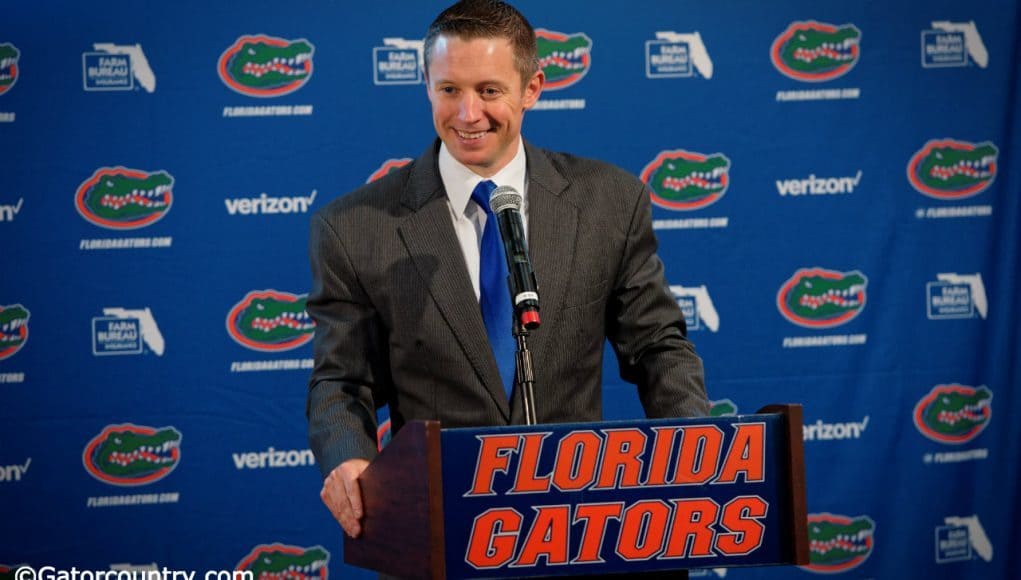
(273, 458)
(266, 204)
(14, 472)
(813, 185)
(834, 431)
(7, 212)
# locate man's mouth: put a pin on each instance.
(470, 136)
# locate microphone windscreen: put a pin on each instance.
(505, 197)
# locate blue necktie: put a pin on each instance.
(494, 296)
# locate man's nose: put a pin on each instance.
(471, 107)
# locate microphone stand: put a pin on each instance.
(525, 372)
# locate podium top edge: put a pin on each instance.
(621, 423)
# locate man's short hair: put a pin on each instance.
(472, 19)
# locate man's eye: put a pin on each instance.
(490, 92)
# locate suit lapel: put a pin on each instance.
(552, 230)
(429, 237)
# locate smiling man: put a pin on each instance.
(400, 287)
(479, 92)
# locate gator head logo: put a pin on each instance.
(722, 408)
(838, 543)
(266, 66)
(9, 55)
(281, 562)
(132, 454)
(125, 199)
(13, 329)
(685, 181)
(819, 298)
(388, 167)
(815, 51)
(951, 169)
(953, 413)
(270, 321)
(563, 58)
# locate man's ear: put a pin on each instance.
(428, 87)
(533, 88)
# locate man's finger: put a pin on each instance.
(342, 495)
(353, 491)
(334, 495)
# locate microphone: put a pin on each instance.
(505, 202)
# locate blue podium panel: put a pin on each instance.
(610, 497)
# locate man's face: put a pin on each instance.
(479, 100)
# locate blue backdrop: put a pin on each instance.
(836, 189)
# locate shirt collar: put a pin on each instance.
(460, 181)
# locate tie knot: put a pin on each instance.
(481, 193)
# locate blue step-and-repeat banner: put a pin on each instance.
(835, 190)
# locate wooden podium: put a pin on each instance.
(586, 498)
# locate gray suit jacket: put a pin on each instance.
(398, 322)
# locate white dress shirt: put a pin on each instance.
(469, 219)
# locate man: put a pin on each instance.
(396, 277)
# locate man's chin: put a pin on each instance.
(476, 159)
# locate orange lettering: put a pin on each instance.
(596, 516)
(527, 480)
(642, 530)
(744, 531)
(699, 456)
(549, 536)
(746, 454)
(692, 519)
(494, 456)
(576, 461)
(660, 462)
(621, 459)
(494, 537)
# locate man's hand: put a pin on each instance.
(342, 495)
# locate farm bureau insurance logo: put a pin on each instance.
(959, 537)
(955, 295)
(949, 169)
(115, 67)
(815, 52)
(685, 180)
(267, 561)
(821, 298)
(13, 329)
(398, 62)
(9, 55)
(951, 44)
(838, 543)
(119, 198)
(954, 414)
(266, 66)
(132, 455)
(270, 321)
(124, 331)
(388, 167)
(563, 58)
(677, 55)
(697, 307)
